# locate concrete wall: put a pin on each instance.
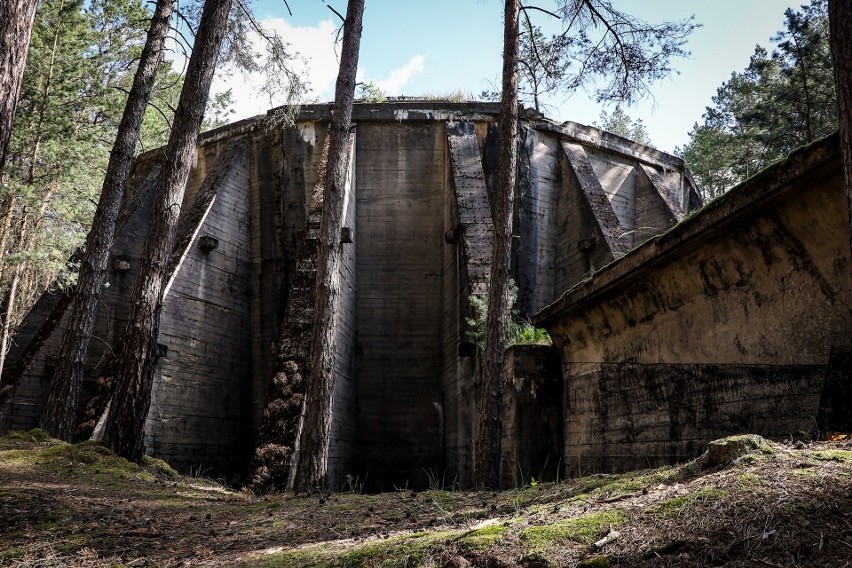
(201, 404)
(531, 437)
(401, 184)
(406, 385)
(539, 186)
(727, 324)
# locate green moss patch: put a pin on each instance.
(23, 440)
(482, 538)
(672, 507)
(841, 456)
(397, 552)
(596, 562)
(585, 529)
(86, 459)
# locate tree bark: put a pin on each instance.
(840, 22)
(60, 411)
(5, 228)
(124, 432)
(314, 440)
(10, 298)
(16, 26)
(487, 466)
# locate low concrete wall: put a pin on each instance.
(531, 439)
(729, 323)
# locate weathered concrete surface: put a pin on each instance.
(401, 177)
(723, 325)
(531, 438)
(202, 393)
(419, 221)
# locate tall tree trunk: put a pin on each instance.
(10, 298)
(312, 456)
(840, 21)
(487, 467)
(124, 432)
(45, 96)
(22, 243)
(59, 415)
(16, 26)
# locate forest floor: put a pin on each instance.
(80, 505)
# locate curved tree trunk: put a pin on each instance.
(124, 432)
(59, 415)
(840, 21)
(312, 452)
(16, 27)
(487, 466)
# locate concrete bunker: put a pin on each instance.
(738, 320)
(418, 222)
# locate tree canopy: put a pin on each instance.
(782, 100)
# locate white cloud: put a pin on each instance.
(398, 78)
(320, 65)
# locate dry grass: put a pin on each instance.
(81, 506)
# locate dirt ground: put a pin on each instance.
(80, 505)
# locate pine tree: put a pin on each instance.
(60, 412)
(840, 14)
(312, 461)
(621, 56)
(782, 100)
(125, 424)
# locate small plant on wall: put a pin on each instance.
(521, 330)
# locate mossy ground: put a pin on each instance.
(80, 505)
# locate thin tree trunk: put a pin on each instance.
(45, 96)
(16, 26)
(487, 467)
(7, 307)
(124, 432)
(10, 298)
(8, 210)
(840, 21)
(314, 440)
(60, 411)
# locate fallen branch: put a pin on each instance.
(621, 497)
(611, 537)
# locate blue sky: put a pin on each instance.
(413, 47)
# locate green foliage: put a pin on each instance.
(520, 330)
(528, 334)
(782, 100)
(619, 122)
(81, 64)
(371, 93)
(600, 49)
